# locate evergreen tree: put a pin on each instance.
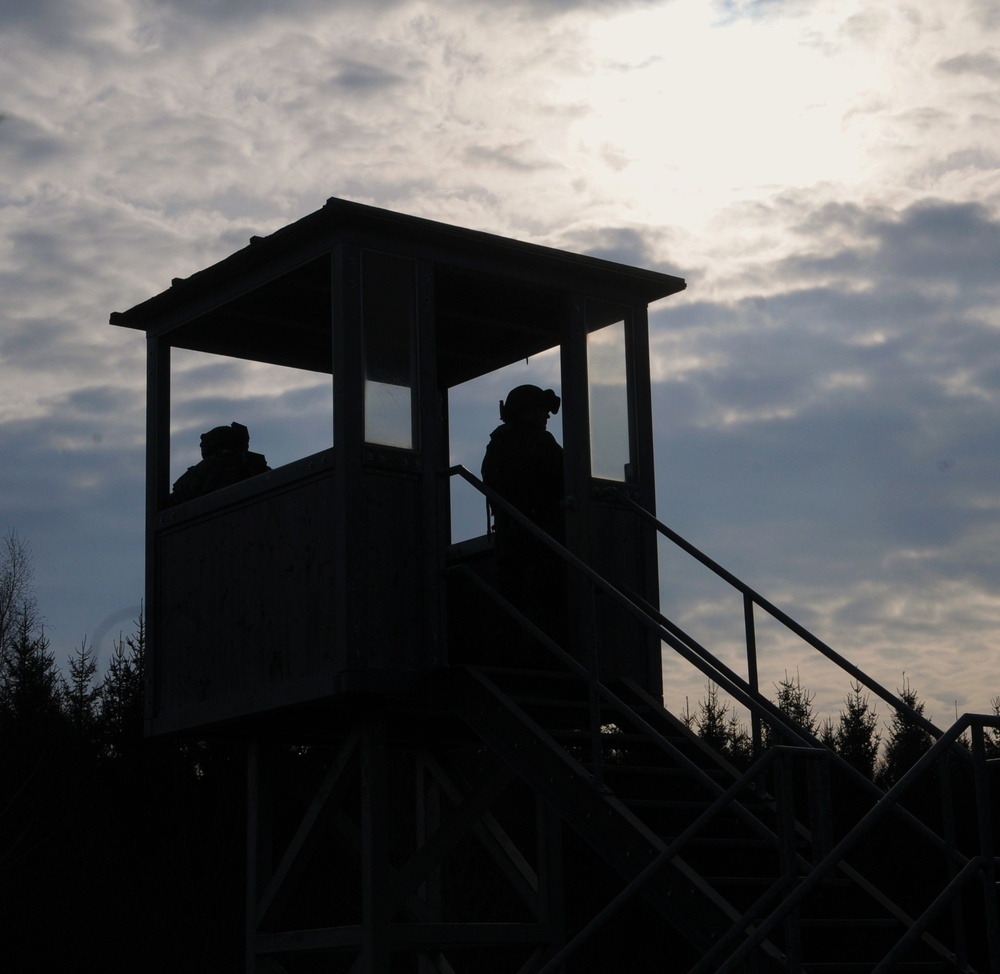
(720, 727)
(33, 688)
(739, 746)
(857, 738)
(121, 694)
(82, 695)
(713, 725)
(992, 734)
(793, 701)
(907, 741)
(828, 736)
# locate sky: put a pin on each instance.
(825, 175)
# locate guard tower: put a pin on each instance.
(435, 783)
(326, 576)
(317, 601)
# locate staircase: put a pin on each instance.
(798, 864)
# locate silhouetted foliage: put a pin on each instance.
(992, 734)
(17, 597)
(856, 738)
(33, 689)
(82, 695)
(795, 702)
(96, 823)
(121, 693)
(719, 726)
(907, 740)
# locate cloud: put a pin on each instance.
(985, 63)
(826, 388)
(24, 144)
(366, 78)
(851, 428)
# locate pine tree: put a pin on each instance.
(793, 701)
(828, 736)
(121, 693)
(720, 727)
(857, 739)
(33, 688)
(992, 734)
(739, 746)
(82, 695)
(713, 725)
(907, 742)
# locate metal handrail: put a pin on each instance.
(755, 598)
(984, 863)
(674, 636)
(761, 708)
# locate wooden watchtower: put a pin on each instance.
(314, 601)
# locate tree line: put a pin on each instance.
(115, 852)
(857, 735)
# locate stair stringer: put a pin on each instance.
(689, 904)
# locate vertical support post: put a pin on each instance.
(784, 783)
(592, 644)
(551, 899)
(428, 821)
(637, 359)
(752, 679)
(820, 816)
(375, 889)
(987, 852)
(434, 497)
(948, 823)
(348, 437)
(157, 487)
(259, 840)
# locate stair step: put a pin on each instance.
(763, 881)
(677, 804)
(612, 740)
(535, 678)
(869, 923)
(732, 842)
(564, 703)
(866, 967)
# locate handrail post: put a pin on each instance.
(949, 830)
(751, 634)
(784, 787)
(595, 679)
(986, 849)
(820, 806)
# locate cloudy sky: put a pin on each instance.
(824, 173)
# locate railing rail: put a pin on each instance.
(962, 869)
(672, 635)
(983, 865)
(752, 598)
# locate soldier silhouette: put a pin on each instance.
(225, 459)
(524, 465)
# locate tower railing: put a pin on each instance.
(947, 752)
(753, 600)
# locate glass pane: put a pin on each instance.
(389, 312)
(610, 451)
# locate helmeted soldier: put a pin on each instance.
(524, 465)
(225, 459)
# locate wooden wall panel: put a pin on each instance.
(245, 599)
(393, 611)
